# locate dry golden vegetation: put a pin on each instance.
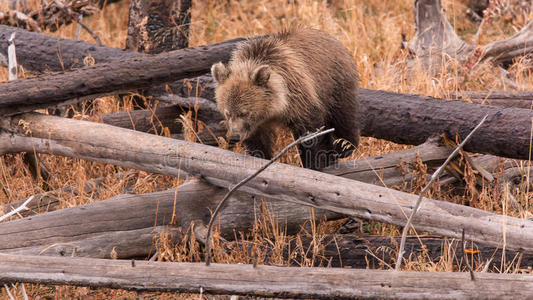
(372, 30)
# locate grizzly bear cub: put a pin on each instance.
(299, 78)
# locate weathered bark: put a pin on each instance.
(434, 34)
(41, 53)
(263, 281)
(108, 144)
(157, 26)
(411, 120)
(518, 99)
(97, 228)
(29, 94)
(377, 251)
(436, 40)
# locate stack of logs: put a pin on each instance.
(123, 226)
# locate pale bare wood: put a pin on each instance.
(98, 142)
(504, 51)
(435, 41)
(434, 34)
(263, 281)
(238, 215)
(126, 223)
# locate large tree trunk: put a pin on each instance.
(264, 281)
(29, 94)
(109, 144)
(100, 236)
(157, 26)
(40, 53)
(409, 120)
(96, 229)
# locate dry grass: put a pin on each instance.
(372, 31)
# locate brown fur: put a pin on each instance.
(299, 78)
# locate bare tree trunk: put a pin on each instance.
(157, 26)
(264, 281)
(108, 144)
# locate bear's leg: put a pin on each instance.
(345, 118)
(259, 144)
(318, 152)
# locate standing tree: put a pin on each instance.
(157, 26)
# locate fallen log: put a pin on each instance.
(112, 77)
(108, 144)
(99, 239)
(518, 99)
(264, 281)
(125, 238)
(372, 252)
(204, 113)
(98, 228)
(412, 120)
(40, 53)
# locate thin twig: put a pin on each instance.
(487, 265)
(78, 28)
(465, 257)
(79, 21)
(9, 292)
(478, 33)
(300, 140)
(424, 190)
(24, 291)
(94, 35)
(16, 210)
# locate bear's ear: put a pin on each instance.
(261, 75)
(219, 72)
